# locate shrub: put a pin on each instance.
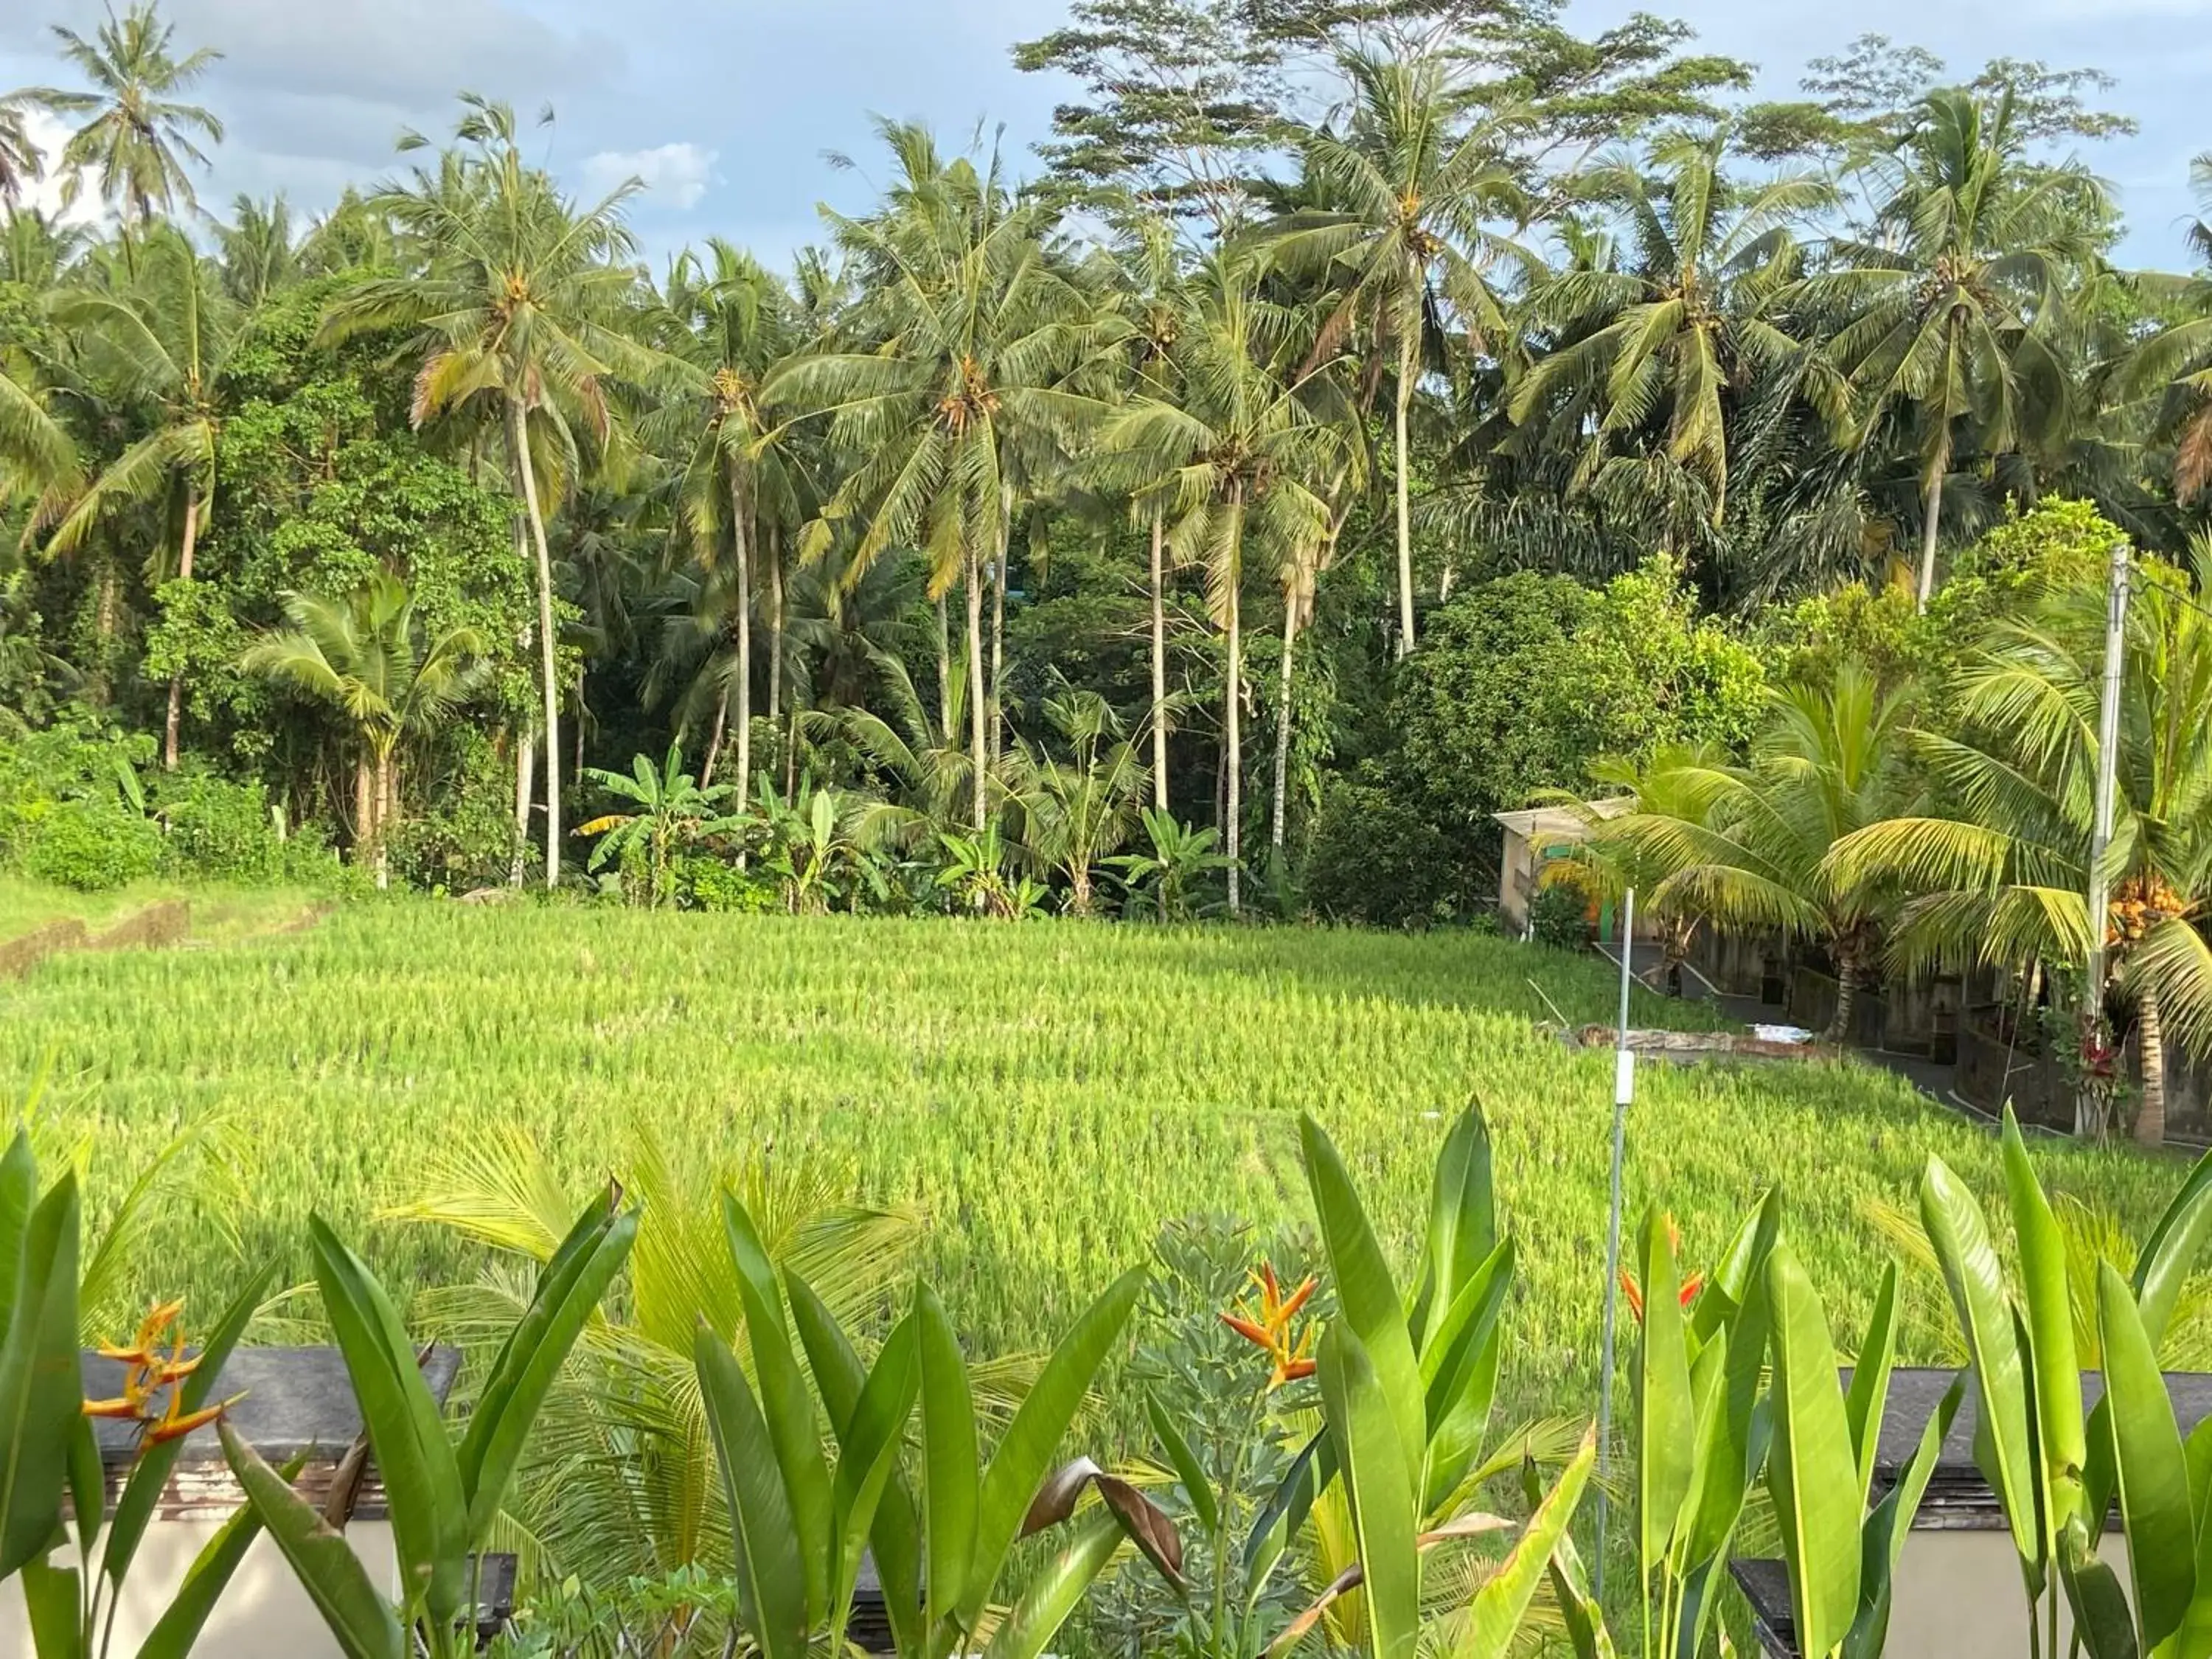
(1374, 858)
(712, 884)
(1559, 915)
(91, 845)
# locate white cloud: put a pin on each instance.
(48, 135)
(679, 173)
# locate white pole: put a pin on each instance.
(1624, 1091)
(2100, 835)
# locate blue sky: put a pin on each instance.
(727, 106)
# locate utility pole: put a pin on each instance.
(1624, 1091)
(2091, 1108)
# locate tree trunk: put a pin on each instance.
(364, 810)
(1159, 667)
(387, 802)
(1931, 519)
(998, 630)
(1283, 725)
(745, 636)
(1406, 354)
(1232, 733)
(2150, 1038)
(715, 741)
(518, 428)
(176, 715)
(526, 769)
(1079, 894)
(775, 626)
(978, 755)
(1847, 997)
(943, 673)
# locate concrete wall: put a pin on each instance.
(1958, 1595)
(264, 1614)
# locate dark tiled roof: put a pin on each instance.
(1765, 1586)
(297, 1399)
(1957, 1495)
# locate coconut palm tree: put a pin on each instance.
(1412, 193)
(2172, 365)
(1995, 861)
(978, 332)
(727, 330)
(162, 341)
(370, 654)
(519, 309)
(259, 253)
(1956, 301)
(1689, 320)
(1240, 454)
(138, 138)
(1077, 811)
(22, 161)
(1749, 846)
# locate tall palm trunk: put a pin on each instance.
(525, 770)
(745, 634)
(978, 755)
(2150, 1038)
(944, 672)
(1232, 733)
(1931, 519)
(714, 735)
(388, 813)
(998, 625)
(176, 715)
(517, 430)
(364, 809)
(775, 623)
(1159, 667)
(1847, 998)
(1406, 349)
(1283, 723)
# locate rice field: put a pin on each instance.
(1047, 1093)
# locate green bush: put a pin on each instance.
(1374, 858)
(1559, 915)
(91, 845)
(712, 884)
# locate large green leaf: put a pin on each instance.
(41, 1385)
(18, 1196)
(1373, 1459)
(1811, 1468)
(1886, 1529)
(568, 1291)
(321, 1560)
(785, 1402)
(2154, 1505)
(1283, 1516)
(1367, 1298)
(950, 1486)
(771, 1582)
(1459, 1374)
(422, 1477)
(1960, 1236)
(1869, 1389)
(1188, 1470)
(2057, 1374)
(1462, 1222)
(134, 1509)
(2195, 1638)
(1056, 1589)
(1570, 1592)
(178, 1630)
(1740, 1270)
(1025, 1454)
(895, 1535)
(867, 1460)
(1493, 1623)
(51, 1605)
(2169, 1254)
(1666, 1413)
(2092, 1590)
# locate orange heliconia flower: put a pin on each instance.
(1270, 1325)
(148, 1370)
(1634, 1291)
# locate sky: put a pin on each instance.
(728, 109)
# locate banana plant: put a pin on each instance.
(2054, 1472)
(443, 1495)
(942, 1539)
